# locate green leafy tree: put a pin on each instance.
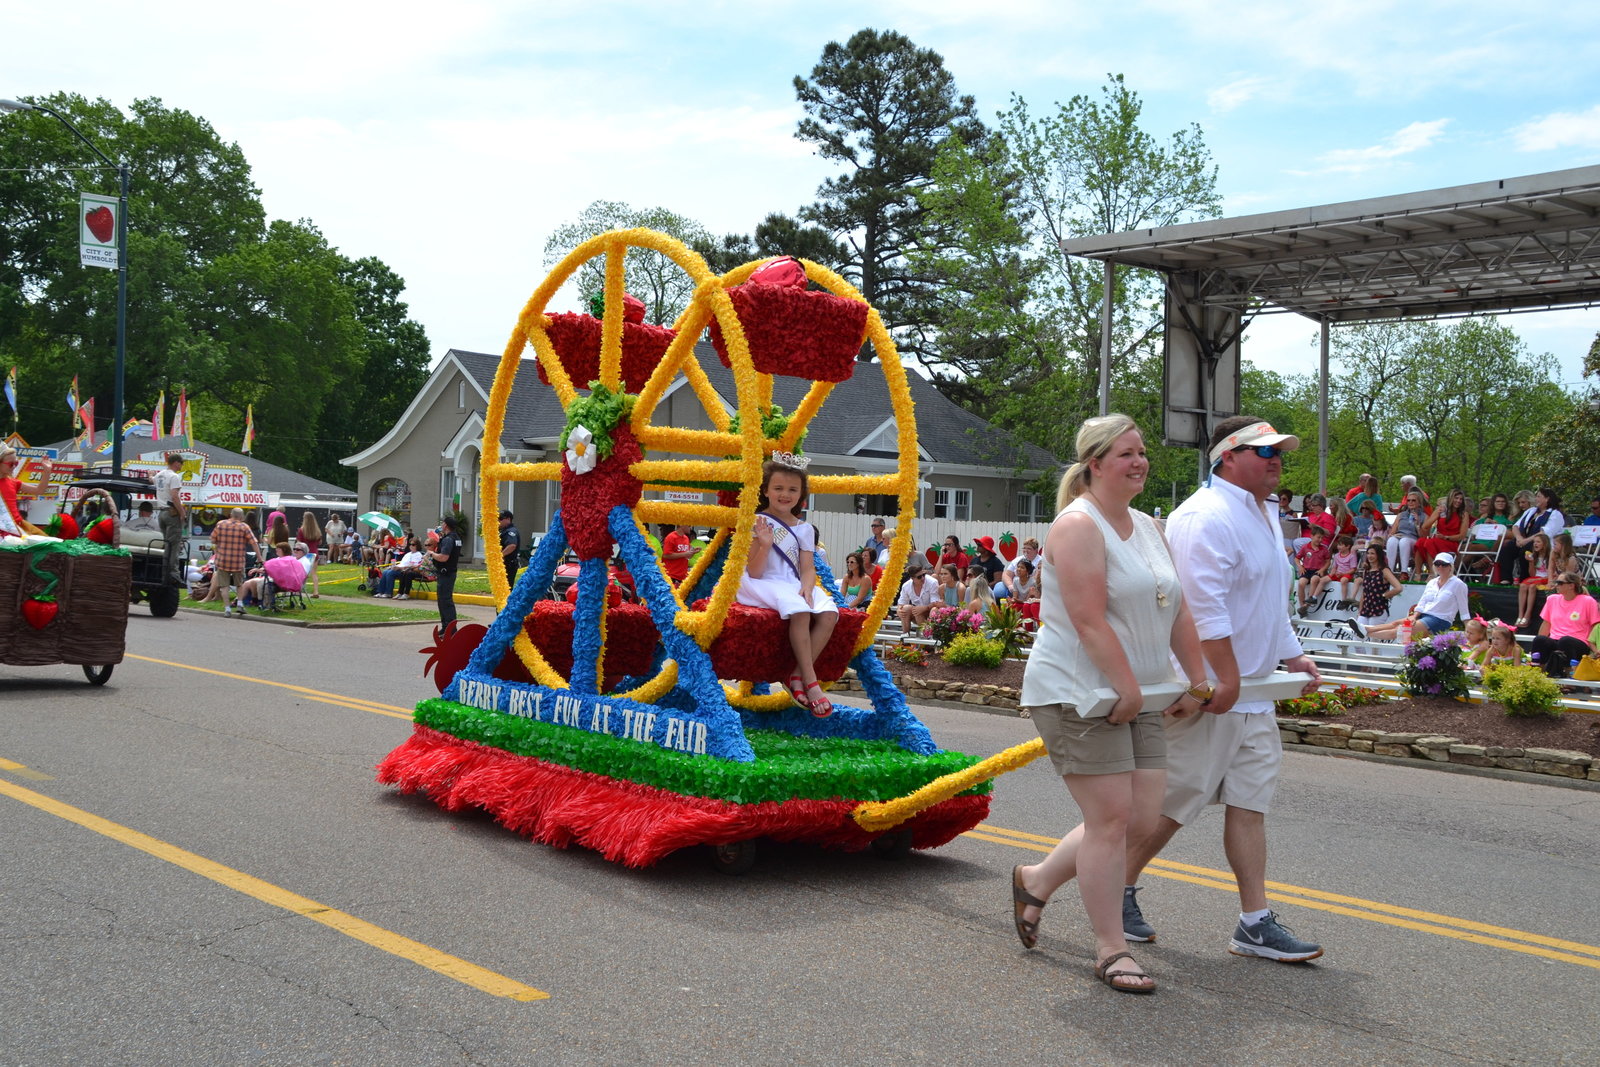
(236, 311)
(777, 235)
(882, 107)
(1562, 455)
(649, 275)
(1453, 403)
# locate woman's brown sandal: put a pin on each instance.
(1110, 978)
(1027, 930)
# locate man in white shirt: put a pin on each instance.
(169, 499)
(1229, 554)
(145, 521)
(917, 596)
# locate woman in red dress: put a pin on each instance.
(1443, 530)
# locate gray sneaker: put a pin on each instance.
(1271, 940)
(1134, 928)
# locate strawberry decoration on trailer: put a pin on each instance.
(639, 728)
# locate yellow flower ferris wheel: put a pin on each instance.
(636, 366)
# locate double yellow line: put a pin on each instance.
(1551, 948)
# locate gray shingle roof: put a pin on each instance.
(947, 432)
(265, 477)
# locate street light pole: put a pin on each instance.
(122, 271)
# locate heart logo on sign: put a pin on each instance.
(101, 223)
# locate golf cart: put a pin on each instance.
(146, 547)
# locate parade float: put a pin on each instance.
(63, 589)
(636, 729)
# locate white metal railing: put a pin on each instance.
(842, 532)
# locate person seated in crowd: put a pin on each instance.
(145, 521)
(856, 582)
(1289, 524)
(1404, 531)
(1341, 568)
(879, 541)
(1365, 504)
(1443, 601)
(1476, 647)
(403, 573)
(1030, 552)
(1445, 527)
(1541, 515)
(1343, 521)
(1026, 589)
(1317, 514)
(980, 597)
(1408, 483)
(950, 555)
(1537, 581)
(1570, 616)
(994, 568)
(1313, 560)
(952, 590)
(918, 594)
(288, 570)
(874, 573)
(1593, 518)
(1503, 647)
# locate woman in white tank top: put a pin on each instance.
(1111, 616)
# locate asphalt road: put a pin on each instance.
(245, 893)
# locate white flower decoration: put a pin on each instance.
(581, 453)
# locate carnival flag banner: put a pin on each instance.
(158, 417)
(249, 428)
(97, 230)
(181, 426)
(11, 392)
(72, 402)
(87, 411)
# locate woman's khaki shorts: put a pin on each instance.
(1098, 746)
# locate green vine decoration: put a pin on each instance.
(50, 580)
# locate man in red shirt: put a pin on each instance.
(230, 540)
(676, 549)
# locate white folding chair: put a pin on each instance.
(1491, 532)
(1586, 546)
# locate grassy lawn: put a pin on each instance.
(341, 601)
(341, 579)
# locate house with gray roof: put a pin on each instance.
(969, 469)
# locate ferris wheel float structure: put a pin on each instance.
(637, 729)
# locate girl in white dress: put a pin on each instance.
(780, 574)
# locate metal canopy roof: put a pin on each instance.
(1514, 244)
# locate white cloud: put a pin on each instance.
(1227, 97)
(1561, 129)
(1404, 141)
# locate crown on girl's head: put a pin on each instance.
(791, 461)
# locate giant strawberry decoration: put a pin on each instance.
(1008, 545)
(40, 611)
(932, 553)
(102, 223)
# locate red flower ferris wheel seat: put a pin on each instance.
(804, 334)
(630, 637)
(754, 645)
(576, 339)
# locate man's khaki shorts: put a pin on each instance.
(1097, 746)
(1231, 759)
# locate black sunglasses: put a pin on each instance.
(1264, 451)
(1439, 564)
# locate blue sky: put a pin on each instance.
(450, 140)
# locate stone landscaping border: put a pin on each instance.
(1437, 748)
(1317, 733)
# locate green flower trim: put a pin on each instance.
(774, 423)
(600, 412)
(786, 767)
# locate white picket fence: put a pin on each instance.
(842, 533)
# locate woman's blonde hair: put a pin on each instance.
(1095, 438)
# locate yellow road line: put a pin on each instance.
(315, 694)
(1355, 907)
(22, 770)
(376, 936)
